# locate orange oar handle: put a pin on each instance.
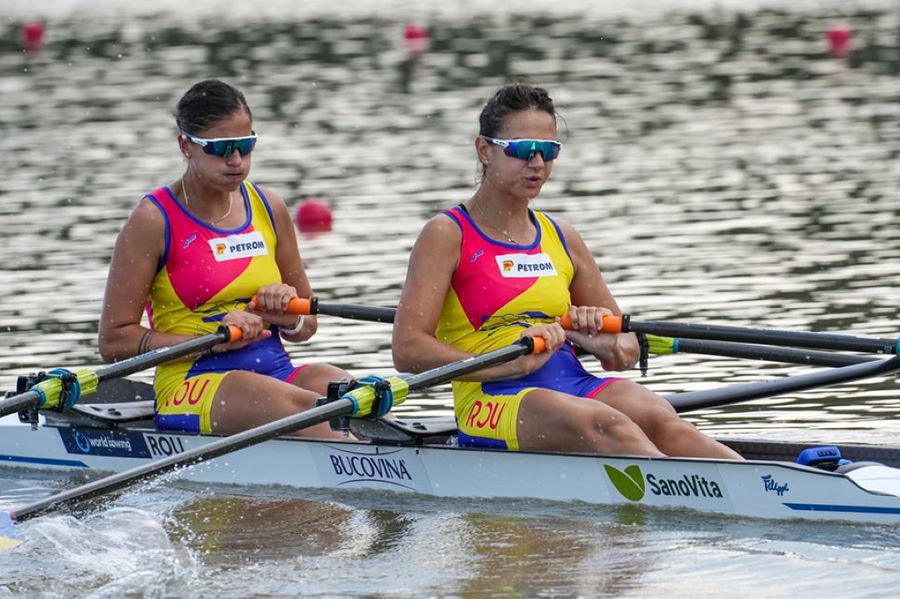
(234, 333)
(298, 305)
(539, 345)
(611, 324)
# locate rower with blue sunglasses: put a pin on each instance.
(491, 270)
(209, 249)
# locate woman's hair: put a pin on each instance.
(509, 99)
(207, 103)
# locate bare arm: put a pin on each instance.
(138, 250)
(591, 299)
(431, 265)
(273, 299)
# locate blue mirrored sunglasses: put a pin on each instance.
(223, 147)
(525, 149)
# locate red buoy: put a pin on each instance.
(415, 37)
(313, 214)
(33, 35)
(839, 39)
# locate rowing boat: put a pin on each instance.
(850, 482)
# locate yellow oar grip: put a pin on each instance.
(364, 396)
(661, 345)
(60, 381)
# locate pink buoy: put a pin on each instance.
(839, 39)
(313, 214)
(33, 35)
(416, 39)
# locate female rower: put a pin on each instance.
(491, 270)
(199, 249)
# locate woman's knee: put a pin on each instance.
(316, 377)
(616, 427)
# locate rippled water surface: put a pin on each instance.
(722, 167)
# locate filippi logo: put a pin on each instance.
(773, 486)
(631, 484)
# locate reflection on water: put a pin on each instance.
(720, 165)
(350, 544)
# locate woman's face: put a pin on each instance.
(223, 173)
(521, 178)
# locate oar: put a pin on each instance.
(832, 341)
(710, 398)
(312, 306)
(357, 402)
(64, 388)
(674, 345)
(722, 342)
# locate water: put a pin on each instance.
(720, 165)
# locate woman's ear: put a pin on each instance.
(482, 149)
(184, 145)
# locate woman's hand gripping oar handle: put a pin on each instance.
(611, 323)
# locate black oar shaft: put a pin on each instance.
(710, 398)
(354, 311)
(723, 333)
(766, 352)
(830, 341)
(455, 370)
(289, 424)
(163, 355)
(150, 359)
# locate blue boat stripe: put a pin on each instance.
(825, 507)
(45, 461)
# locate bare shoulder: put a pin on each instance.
(275, 200)
(282, 217)
(441, 231)
(146, 219)
(574, 241)
(568, 230)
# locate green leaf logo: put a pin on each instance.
(629, 483)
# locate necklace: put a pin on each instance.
(493, 226)
(187, 203)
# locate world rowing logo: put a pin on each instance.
(82, 442)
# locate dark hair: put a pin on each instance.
(207, 103)
(509, 99)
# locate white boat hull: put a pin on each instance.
(755, 488)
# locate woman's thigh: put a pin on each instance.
(553, 421)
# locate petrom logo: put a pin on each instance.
(629, 483)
